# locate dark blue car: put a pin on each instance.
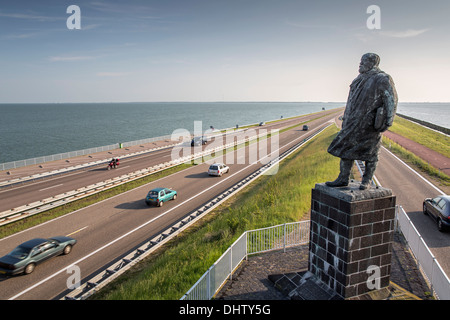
(439, 209)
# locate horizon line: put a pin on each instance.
(217, 101)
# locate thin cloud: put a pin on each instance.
(410, 33)
(20, 36)
(70, 58)
(111, 74)
(134, 11)
(29, 17)
(309, 25)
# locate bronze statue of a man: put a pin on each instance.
(370, 110)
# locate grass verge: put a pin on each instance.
(429, 138)
(417, 162)
(31, 221)
(48, 215)
(270, 200)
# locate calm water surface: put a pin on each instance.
(33, 130)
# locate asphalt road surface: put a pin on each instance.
(110, 229)
(18, 195)
(411, 189)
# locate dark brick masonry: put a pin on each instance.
(350, 238)
(255, 278)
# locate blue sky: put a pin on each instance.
(227, 50)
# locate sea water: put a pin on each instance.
(34, 130)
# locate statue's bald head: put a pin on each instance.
(368, 62)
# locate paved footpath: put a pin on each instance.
(434, 158)
(251, 280)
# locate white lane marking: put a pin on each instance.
(428, 182)
(143, 225)
(58, 185)
(121, 237)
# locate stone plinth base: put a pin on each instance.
(350, 238)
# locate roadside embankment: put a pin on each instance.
(426, 124)
(271, 200)
(423, 148)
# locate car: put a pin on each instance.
(218, 169)
(305, 128)
(196, 141)
(25, 257)
(262, 123)
(439, 209)
(158, 196)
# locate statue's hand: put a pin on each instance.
(386, 125)
(383, 128)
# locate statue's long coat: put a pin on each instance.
(358, 139)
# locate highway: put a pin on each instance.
(411, 189)
(23, 194)
(108, 230)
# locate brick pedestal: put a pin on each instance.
(351, 230)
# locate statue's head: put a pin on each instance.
(368, 62)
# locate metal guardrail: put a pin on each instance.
(439, 281)
(93, 285)
(211, 281)
(71, 154)
(11, 182)
(30, 209)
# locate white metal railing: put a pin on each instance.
(297, 233)
(250, 242)
(72, 154)
(439, 281)
(277, 237)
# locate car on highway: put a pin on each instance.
(25, 257)
(305, 127)
(158, 196)
(197, 141)
(218, 169)
(439, 209)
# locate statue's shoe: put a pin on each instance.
(364, 185)
(337, 183)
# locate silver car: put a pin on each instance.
(218, 169)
